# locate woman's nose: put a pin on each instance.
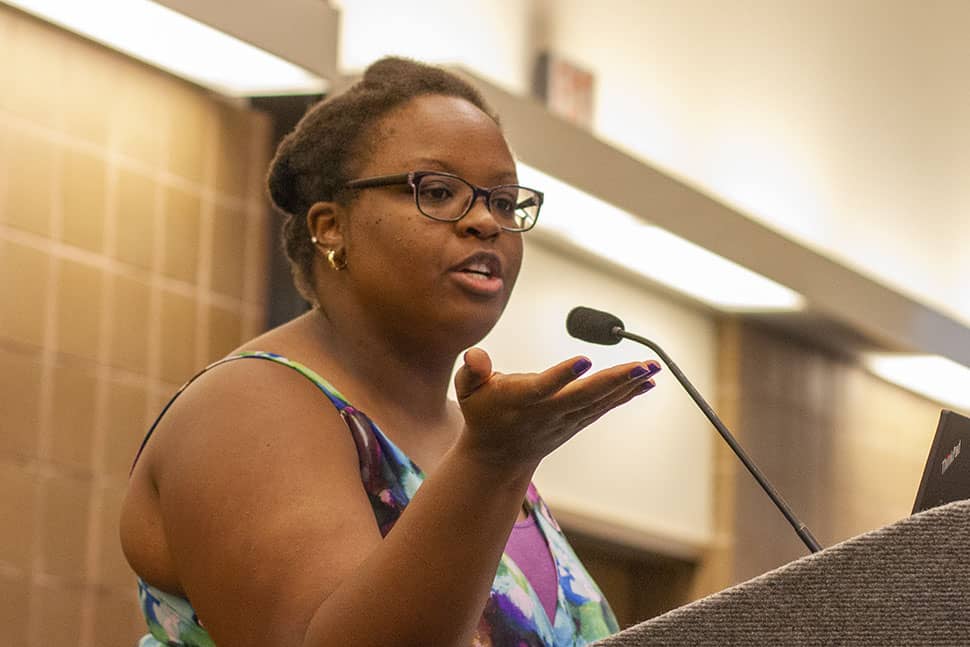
(479, 221)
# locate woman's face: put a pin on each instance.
(421, 276)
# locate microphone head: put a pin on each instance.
(593, 325)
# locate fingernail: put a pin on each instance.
(638, 371)
(645, 387)
(581, 366)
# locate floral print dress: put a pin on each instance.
(513, 615)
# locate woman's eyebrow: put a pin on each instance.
(433, 164)
(429, 164)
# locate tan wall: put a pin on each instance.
(844, 448)
(803, 116)
(131, 252)
(620, 470)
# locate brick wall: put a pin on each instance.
(132, 238)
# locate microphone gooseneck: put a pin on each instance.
(594, 325)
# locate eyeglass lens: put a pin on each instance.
(444, 197)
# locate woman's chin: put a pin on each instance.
(468, 328)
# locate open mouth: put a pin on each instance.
(481, 265)
(481, 273)
(477, 270)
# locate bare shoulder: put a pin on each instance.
(252, 404)
(258, 492)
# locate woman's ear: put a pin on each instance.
(324, 224)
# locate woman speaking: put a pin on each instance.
(317, 486)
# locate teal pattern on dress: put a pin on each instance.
(513, 615)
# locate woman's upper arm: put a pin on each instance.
(261, 499)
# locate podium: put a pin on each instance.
(905, 584)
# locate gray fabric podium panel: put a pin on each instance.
(905, 584)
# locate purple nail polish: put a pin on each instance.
(638, 371)
(581, 366)
(646, 386)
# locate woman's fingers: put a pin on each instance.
(588, 416)
(601, 386)
(522, 389)
(554, 379)
(561, 381)
(579, 420)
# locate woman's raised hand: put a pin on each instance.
(520, 418)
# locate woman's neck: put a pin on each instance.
(403, 378)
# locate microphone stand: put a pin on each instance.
(800, 528)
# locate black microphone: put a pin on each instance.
(603, 328)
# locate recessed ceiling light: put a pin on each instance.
(178, 44)
(618, 237)
(932, 376)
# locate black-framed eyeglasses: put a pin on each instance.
(448, 198)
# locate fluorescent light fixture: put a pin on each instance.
(620, 238)
(931, 376)
(178, 44)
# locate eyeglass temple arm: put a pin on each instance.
(384, 180)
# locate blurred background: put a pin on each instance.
(773, 190)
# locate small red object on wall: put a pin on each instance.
(565, 88)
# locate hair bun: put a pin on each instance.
(391, 69)
(281, 178)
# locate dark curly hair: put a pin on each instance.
(312, 163)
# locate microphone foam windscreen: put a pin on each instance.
(593, 325)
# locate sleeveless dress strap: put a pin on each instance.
(335, 397)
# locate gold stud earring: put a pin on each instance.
(314, 240)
